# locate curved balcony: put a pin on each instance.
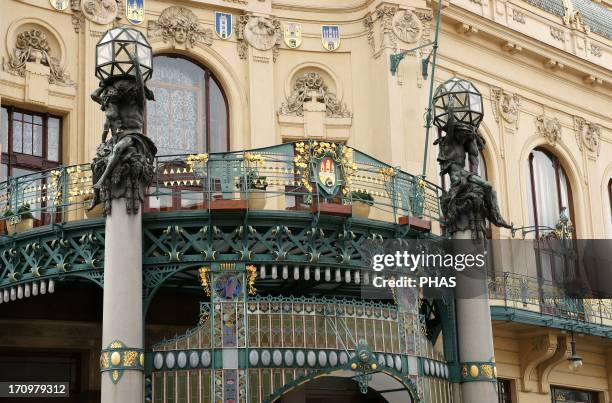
(266, 206)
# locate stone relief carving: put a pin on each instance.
(557, 34)
(506, 105)
(550, 128)
(407, 26)
(588, 135)
(311, 87)
(384, 16)
(180, 26)
(595, 50)
(99, 11)
(518, 16)
(260, 32)
(33, 46)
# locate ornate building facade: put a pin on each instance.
(251, 282)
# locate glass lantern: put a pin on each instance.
(459, 98)
(117, 51)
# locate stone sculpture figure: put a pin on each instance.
(123, 165)
(470, 199)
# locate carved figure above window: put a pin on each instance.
(32, 46)
(310, 87)
(180, 26)
(588, 135)
(549, 128)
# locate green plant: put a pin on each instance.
(253, 181)
(25, 211)
(364, 197)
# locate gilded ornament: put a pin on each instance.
(129, 358)
(115, 358)
(104, 360)
(115, 376)
(205, 280)
(141, 359)
(487, 370)
(473, 371)
(115, 344)
(252, 277)
(464, 371)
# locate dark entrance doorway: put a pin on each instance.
(331, 389)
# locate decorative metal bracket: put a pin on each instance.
(117, 358)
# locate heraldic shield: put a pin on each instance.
(328, 175)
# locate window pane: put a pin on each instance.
(4, 129)
(17, 139)
(37, 120)
(53, 135)
(37, 138)
(218, 119)
(18, 116)
(175, 120)
(27, 138)
(27, 118)
(546, 191)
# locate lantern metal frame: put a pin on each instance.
(118, 51)
(457, 101)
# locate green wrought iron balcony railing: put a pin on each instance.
(539, 301)
(317, 177)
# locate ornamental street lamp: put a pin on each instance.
(122, 169)
(457, 101)
(575, 361)
(117, 51)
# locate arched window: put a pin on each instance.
(190, 113)
(548, 190)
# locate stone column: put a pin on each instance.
(474, 333)
(123, 316)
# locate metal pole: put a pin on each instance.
(434, 54)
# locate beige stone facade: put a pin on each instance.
(546, 80)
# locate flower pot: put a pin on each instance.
(95, 212)
(24, 224)
(361, 209)
(257, 199)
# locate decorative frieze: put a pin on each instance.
(261, 33)
(518, 16)
(505, 105)
(557, 34)
(550, 128)
(180, 27)
(588, 136)
(595, 50)
(32, 46)
(592, 80)
(310, 87)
